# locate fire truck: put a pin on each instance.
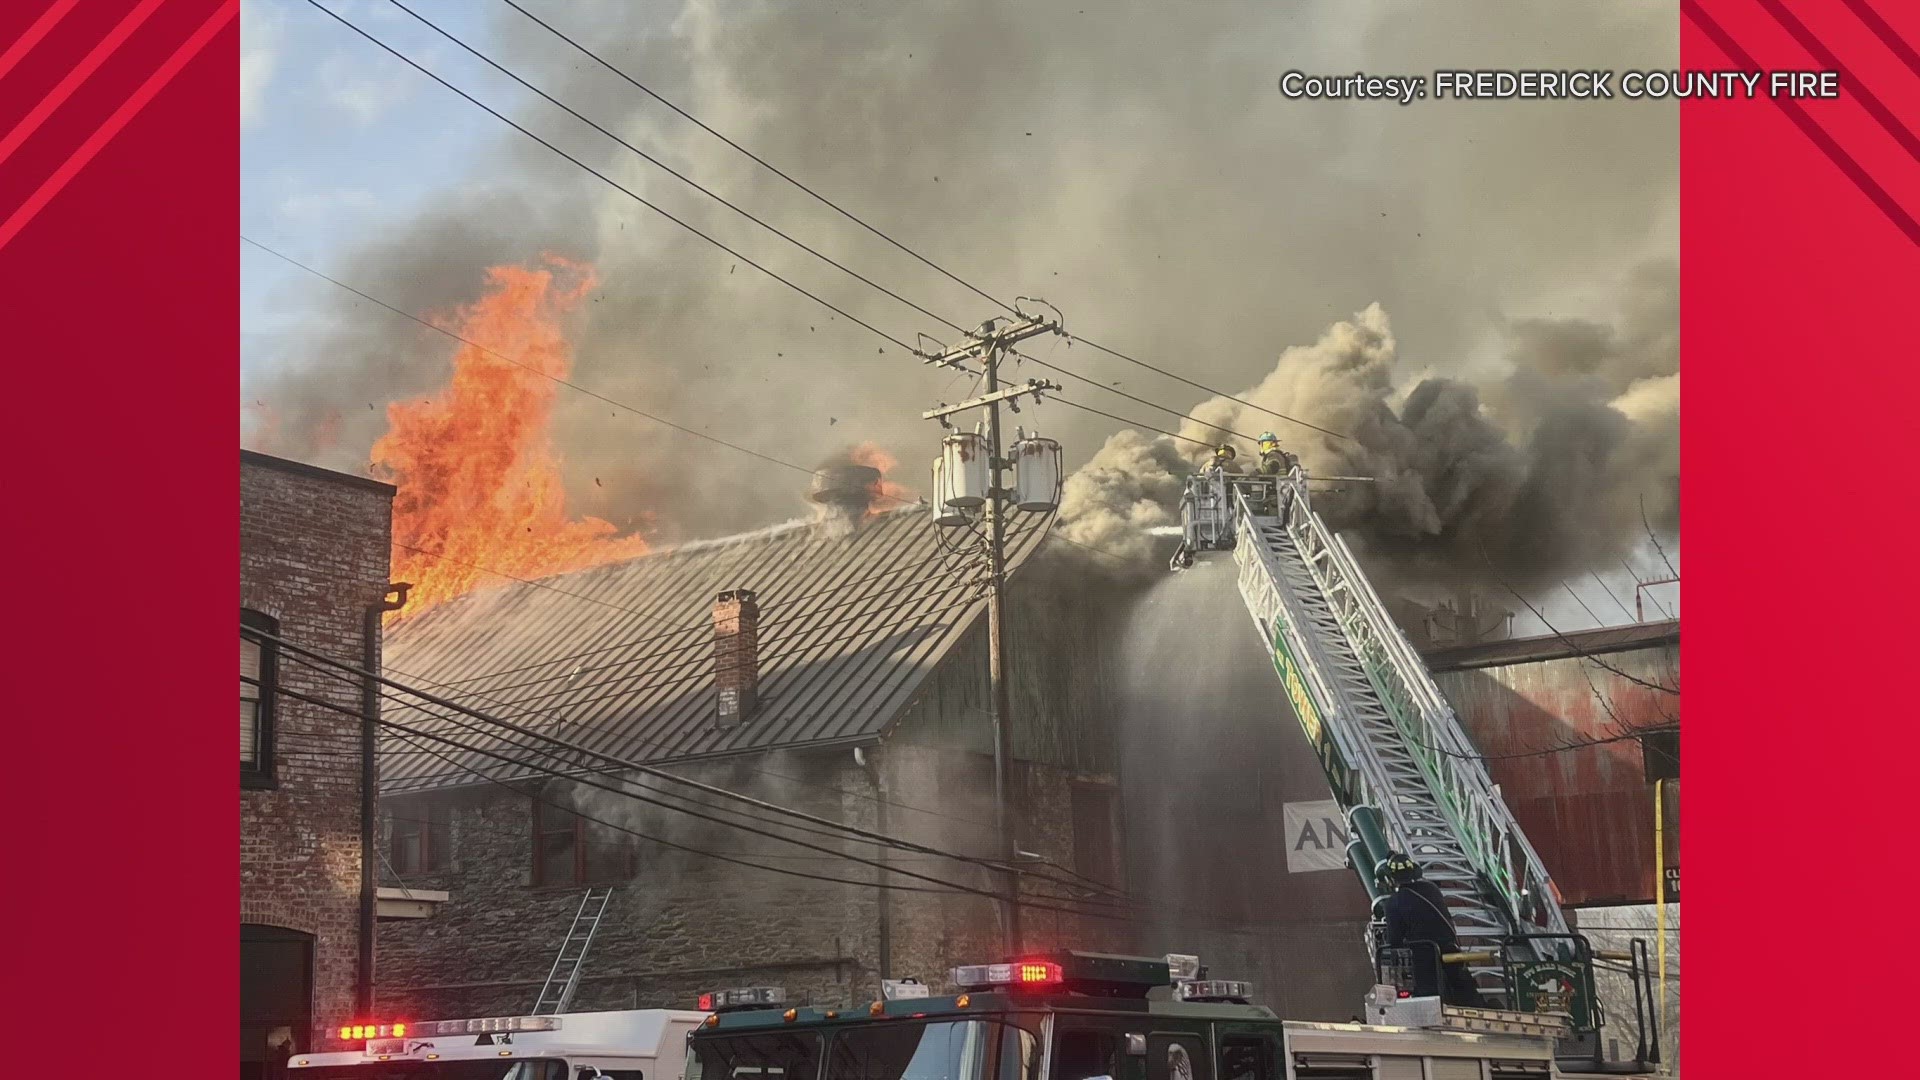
(1400, 765)
(632, 1044)
(1088, 1016)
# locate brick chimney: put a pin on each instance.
(736, 656)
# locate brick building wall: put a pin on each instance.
(686, 923)
(314, 549)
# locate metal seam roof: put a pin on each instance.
(851, 624)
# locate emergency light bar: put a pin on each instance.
(485, 1025)
(356, 1032)
(1232, 990)
(743, 997)
(1181, 967)
(1095, 974)
(1024, 973)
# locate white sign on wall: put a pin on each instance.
(1316, 836)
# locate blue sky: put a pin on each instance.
(338, 140)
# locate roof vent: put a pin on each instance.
(845, 492)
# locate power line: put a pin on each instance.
(1208, 389)
(558, 806)
(690, 628)
(611, 759)
(1640, 587)
(535, 583)
(610, 182)
(722, 200)
(823, 200)
(675, 173)
(939, 584)
(590, 781)
(800, 646)
(1597, 620)
(1577, 651)
(1130, 423)
(290, 260)
(1122, 393)
(1115, 897)
(763, 162)
(1617, 602)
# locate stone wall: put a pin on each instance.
(690, 922)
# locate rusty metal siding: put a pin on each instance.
(1588, 811)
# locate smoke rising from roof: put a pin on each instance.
(1546, 469)
(1134, 163)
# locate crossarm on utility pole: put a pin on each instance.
(1036, 387)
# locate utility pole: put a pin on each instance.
(988, 346)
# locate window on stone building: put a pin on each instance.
(571, 850)
(1096, 829)
(422, 837)
(256, 699)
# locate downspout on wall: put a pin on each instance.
(884, 920)
(369, 780)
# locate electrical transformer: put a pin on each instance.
(943, 512)
(1036, 474)
(963, 458)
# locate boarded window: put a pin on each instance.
(256, 698)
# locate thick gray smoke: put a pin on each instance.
(1132, 162)
(1547, 467)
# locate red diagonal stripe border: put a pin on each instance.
(1885, 33)
(24, 44)
(1819, 51)
(1813, 131)
(72, 80)
(128, 109)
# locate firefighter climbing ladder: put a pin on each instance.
(1392, 749)
(564, 978)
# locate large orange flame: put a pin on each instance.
(885, 495)
(480, 494)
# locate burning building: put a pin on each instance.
(833, 665)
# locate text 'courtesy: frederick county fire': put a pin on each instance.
(1587, 85)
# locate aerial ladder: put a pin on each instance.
(1395, 756)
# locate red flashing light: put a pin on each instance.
(1406, 993)
(706, 1003)
(1038, 972)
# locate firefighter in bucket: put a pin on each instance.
(1273, 460)
(1417, 921)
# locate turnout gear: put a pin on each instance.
(1223, 455)
(1273, 460)
(1397, 869)
(1418, 921)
